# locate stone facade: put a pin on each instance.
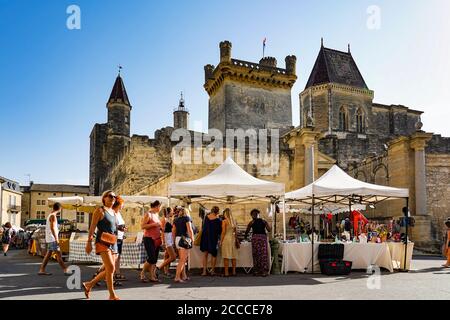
(398, 167)
(339, 123)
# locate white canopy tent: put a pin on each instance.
(337, 187)
(228, 183)
(89, 203)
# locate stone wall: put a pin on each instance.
(438, 192)
(97, 156)
(438, 144)
(241, 105)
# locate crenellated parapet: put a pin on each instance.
(265, 73)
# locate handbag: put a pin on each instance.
(108, 238)
(185, 242)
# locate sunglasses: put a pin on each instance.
(111, 196)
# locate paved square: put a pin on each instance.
(427, 280)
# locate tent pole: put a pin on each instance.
(312, 236)
(406, 237)
(275, 219)
(349, 215)
(284, 218)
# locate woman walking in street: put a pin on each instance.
(260, 250)
(182, 232)
(228, 242)
(212, 229)
(152, 240)
(168, 242)
(105, 221)
(6, 237)
(447, 244)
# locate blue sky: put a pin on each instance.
(55, 82)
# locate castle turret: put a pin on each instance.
(118, 133)
(181, 115)
(225, 51)
(248, 95)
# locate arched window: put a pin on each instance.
(343, 123)
(360, 127)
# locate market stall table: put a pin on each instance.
(244, 258)
(397, 250)
(297, 256)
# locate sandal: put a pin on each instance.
(144, 278)
(120, 277)
(116, 298)
(43, 273)
(179, 281)
(87, 291)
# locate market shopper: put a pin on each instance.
(229, 242)
(260, 250)
(447, 244)
(182, 232)
(209, 244)
(121, 228)
(105, 220)
(152, 240)
(52, 241)
(6, 237)
(168, 242)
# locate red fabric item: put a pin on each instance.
(356, 217)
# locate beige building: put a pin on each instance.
(35, 204)
(10, 200)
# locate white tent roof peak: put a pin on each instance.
(337, 182)
(229, 179)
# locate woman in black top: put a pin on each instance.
(260, 250)
(169, 254)
(211, 232)
(182, 228)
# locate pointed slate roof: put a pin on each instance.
(333, 66)
(118, 93)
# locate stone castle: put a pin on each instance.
(339, 123)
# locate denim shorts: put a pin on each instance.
(53, 246)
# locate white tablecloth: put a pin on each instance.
(397, 250)
(244, 258)
(297, 256)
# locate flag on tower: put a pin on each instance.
(264, 45)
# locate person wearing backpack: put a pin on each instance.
(6, 237)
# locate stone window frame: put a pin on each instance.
(343, 118)
(360, 121)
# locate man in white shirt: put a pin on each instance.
(52, 240)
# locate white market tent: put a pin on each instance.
(228, 183)
(227, 180)
(337, 187)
